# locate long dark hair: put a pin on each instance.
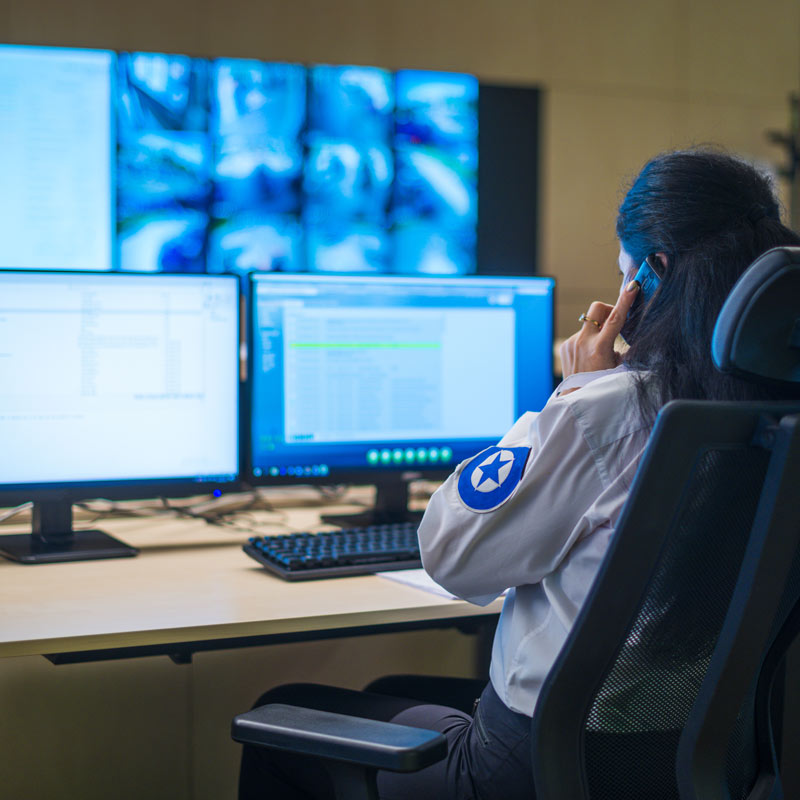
(712, 215)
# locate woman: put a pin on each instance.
(699, 217)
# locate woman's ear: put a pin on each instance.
(662, 258)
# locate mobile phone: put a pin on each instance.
(649, 280)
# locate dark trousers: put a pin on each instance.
(488, 754)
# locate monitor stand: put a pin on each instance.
(391, 505)
(53, 540)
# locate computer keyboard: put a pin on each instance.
(330, 554)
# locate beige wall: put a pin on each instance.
(623, 78)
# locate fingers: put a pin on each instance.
(617, 314)
(599, 312)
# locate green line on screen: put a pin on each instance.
(383, 345)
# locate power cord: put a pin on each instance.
(12, 512)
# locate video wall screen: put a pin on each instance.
(57, 157)
(161, 162)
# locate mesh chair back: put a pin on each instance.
(653, 681)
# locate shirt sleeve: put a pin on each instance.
(477, 556)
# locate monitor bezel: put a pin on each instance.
(367, 475)
(134, 488)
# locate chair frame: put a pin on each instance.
(743, 640)
(600, 628)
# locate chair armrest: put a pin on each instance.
(368, 742)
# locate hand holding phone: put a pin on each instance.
(591, 348)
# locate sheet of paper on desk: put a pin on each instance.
(417, 578)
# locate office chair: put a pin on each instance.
(663, 687)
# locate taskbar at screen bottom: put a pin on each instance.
(390, 458)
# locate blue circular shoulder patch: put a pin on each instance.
(491, 477)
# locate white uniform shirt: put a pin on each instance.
(548, 539)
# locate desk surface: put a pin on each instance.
(191, 582)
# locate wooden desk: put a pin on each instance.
(192, 588)
(145, 727)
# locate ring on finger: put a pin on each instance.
(585, 318)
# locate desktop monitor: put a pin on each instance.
(57, 155)
(117, 386)
(379, 380)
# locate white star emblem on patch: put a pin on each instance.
(492, 471)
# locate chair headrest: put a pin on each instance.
(757, 334)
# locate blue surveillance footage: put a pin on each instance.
(262, 177)
(258, 118)
(355, 103)
(349, 169)
(255, 100)
(163, 162)
(346, 182)
(348, 247)
(436, 108)
(434, 184)
(425, 248)
(435, 208)
(256, 243)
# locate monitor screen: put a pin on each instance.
(57, 152)
(163, 165)
(359, 377)
(349, 170)
(258, 113)
(436, 211)
(115, 385)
